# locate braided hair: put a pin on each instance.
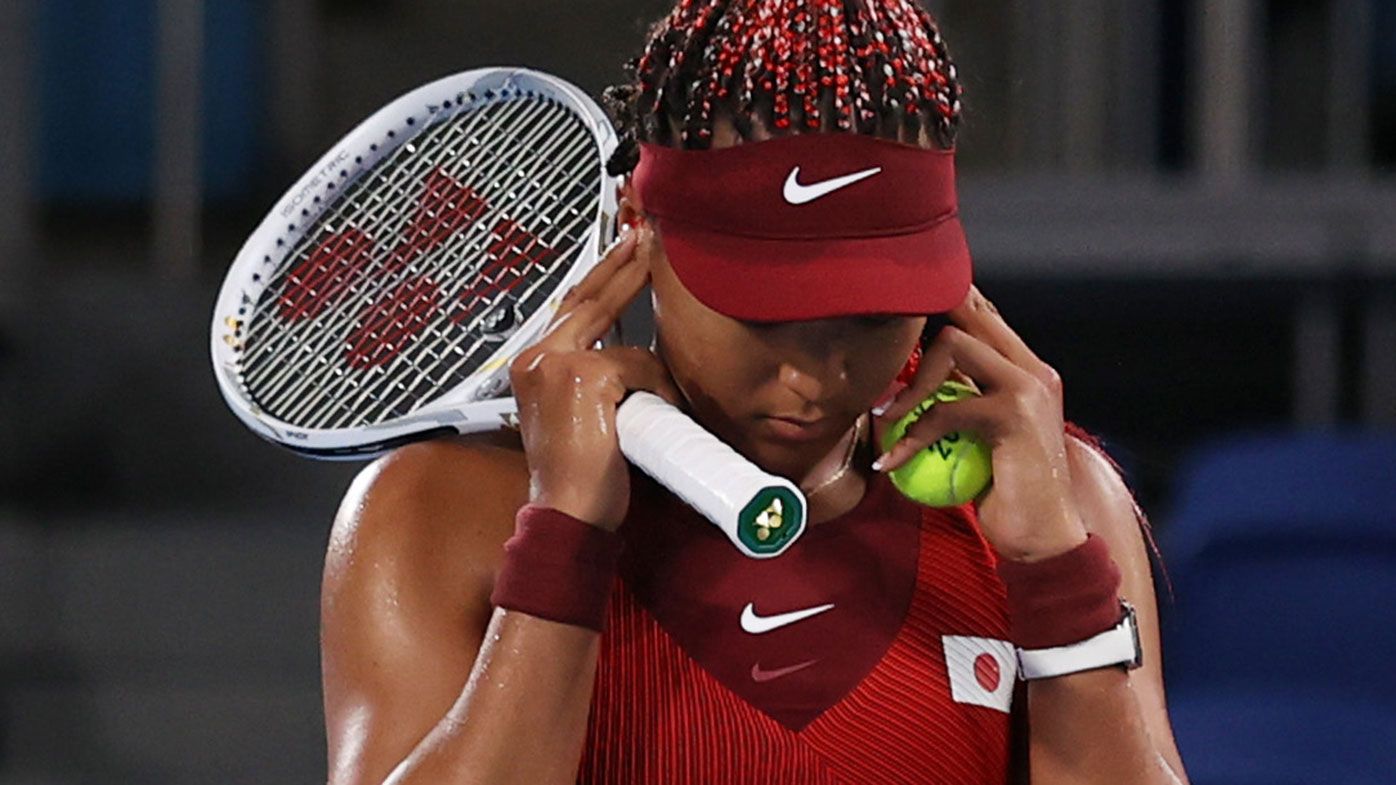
(875, 67)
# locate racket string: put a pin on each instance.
(386, 305)
(389, 178)
(389, 194)
(386, 385)
(482, 347)
(395, 184)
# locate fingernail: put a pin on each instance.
(888, 397)
(880, 462)
(625, 229)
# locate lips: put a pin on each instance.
(796, 420)
(794, 429)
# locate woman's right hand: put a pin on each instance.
(567, 391)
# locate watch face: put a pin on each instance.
(1131, 619)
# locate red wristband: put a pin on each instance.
(558, 568)
(1065, 599)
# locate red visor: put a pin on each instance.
(810, 226)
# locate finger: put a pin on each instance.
(637, 368)
(584, 322)
(955, 354)
(621, 253)
(989, 368)
(980, 318)
(583, 376)
(966, 415)
(934, 368)
(617, 294)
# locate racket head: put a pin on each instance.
(382, 298)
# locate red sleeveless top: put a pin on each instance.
(873, 651)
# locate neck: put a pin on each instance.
(837, 483)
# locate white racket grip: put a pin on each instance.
(761, 514)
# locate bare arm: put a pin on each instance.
(522, 715)
(1107, 725)
(424, 681)
(1049, 493)
(411, 694)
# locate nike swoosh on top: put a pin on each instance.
(759, 675)
(798, 194)
(758, 624)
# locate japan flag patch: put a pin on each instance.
(982, 671)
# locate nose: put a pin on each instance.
(815, 367)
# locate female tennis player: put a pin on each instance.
(525, 607)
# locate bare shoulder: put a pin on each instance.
(440, 510)
(405, 599)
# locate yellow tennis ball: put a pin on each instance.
(948, 473)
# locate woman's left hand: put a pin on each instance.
(1028, 513)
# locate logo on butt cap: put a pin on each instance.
(771, 520)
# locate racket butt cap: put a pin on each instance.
(771, 522)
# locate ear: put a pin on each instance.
(629, 210)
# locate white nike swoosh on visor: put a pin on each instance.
(798, 194)
(758, 624)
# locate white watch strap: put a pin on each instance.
(1116, 646)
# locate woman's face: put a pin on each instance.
(781, 393)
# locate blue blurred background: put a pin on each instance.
(1187, 206)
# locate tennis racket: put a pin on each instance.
(384, 296)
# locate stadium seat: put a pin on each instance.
(1281, 550)
(1270, 738)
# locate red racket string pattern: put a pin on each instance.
(445, 208)
(391, 324)
(421, 267)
